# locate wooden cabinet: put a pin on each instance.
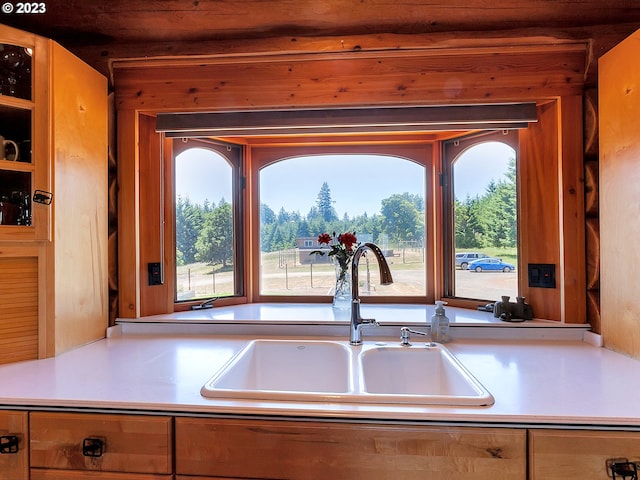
(53, 198)
(302, 450)
(619, 133)
(562, 454)
(70, 445)
(25, 111)
(14, 444)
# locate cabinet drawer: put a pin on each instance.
(130, 443)
(303, 450)
(37, 474)
(562, 454)
(14, 462)
(181, 477)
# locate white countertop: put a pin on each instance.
(535, 379)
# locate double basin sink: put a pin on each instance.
(334, 371)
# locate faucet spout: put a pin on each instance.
(357, 322)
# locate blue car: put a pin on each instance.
(490, 264)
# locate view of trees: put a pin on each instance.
(489, 220)
(204, 233)
(401, 217)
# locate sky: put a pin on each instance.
(355, 188)
(478, 166)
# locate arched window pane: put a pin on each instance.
(485, 218)
(204, 225)
(380, 198)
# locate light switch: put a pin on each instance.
(542, 275)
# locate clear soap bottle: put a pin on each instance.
(439, 324)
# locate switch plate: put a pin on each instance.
(542, 275)
(155, 273)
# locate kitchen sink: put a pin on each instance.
(285, 369)
(322, 371)
(418, 374)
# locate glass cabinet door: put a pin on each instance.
(16, 120)
(15, 71)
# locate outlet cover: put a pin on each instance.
(155, 273)
(542, 275)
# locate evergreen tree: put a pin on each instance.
(325, 204)
(467, 227)
(283, 216)
(189, 219)
(303, 229)
(267, 216)
(215, 242)
(490, 220)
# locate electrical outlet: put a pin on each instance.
(155, 273)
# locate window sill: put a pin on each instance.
(298, 319)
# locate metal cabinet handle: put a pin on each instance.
(93, 447)
(9, 444)
(622, 468)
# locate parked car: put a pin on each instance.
(463, 259)
(486, 264)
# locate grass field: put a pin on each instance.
(285, 275)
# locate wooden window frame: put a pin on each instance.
(451, 151)
(236, 160)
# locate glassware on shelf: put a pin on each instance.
(15, 71)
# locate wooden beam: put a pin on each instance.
(421, 76)
(405, 119)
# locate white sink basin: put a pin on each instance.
(315, 370)
(285, 369)
(418, 374)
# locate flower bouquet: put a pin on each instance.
(341, 250)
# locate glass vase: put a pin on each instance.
(342, 292)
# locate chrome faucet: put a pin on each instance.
(357, 322)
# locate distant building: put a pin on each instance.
(306, 245)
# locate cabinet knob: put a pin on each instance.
(9, 444)
(93, 447)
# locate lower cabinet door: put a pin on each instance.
(14, 445)
(584, 455)
(309, 450)
(88, 442)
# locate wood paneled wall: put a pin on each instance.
(487, 74)
(552, 209)
(619, 90)
(552, 75)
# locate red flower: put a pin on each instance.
(348, 239)
(341, 252)
(324, 238)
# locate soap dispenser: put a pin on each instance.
(439, 324)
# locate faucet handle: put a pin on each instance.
(371, 322)
(405, 335)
